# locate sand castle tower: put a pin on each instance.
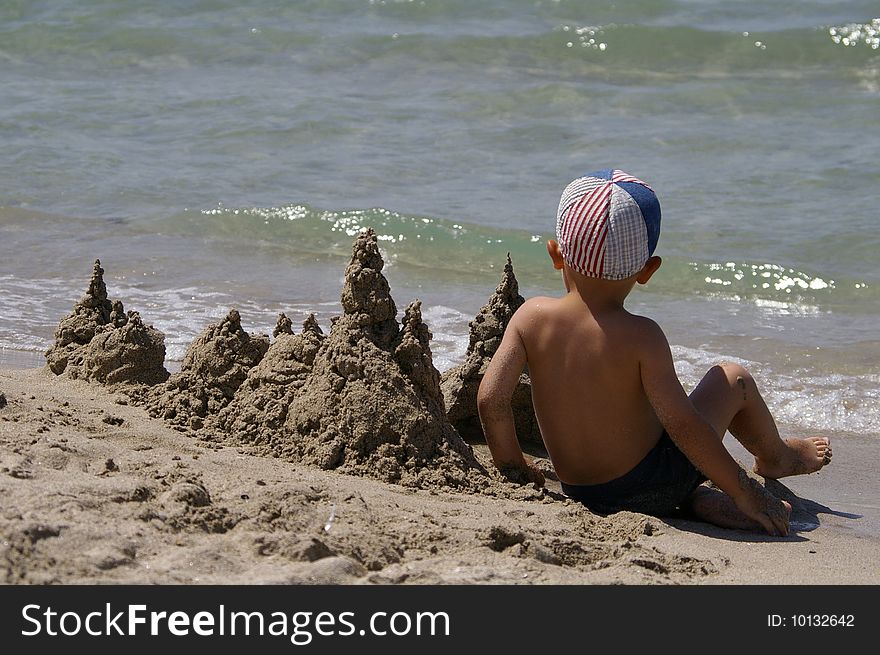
(213, 368)
(77, 328)
(99, 341)
(460, 384)
(372, 403)
(258, 410)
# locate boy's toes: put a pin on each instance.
(822, 454)
(823, 449)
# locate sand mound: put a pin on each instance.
(460, 384)
(259, 408)
(100, 341)
(214, 367)
(371, 403)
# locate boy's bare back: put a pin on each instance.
(595, 417)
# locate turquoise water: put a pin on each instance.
(218, 154)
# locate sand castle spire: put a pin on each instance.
(310, 326)
(90, 313)
(99, 341)
(487, 328)
(460, 384)
(366, 294)
(413, 352)
(231, 322)
(118, 317)
(414, 325)
(96, 284)
(508, 286)
(214, 367)
(96, 296)
(282, 326)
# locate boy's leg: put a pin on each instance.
(728, 398)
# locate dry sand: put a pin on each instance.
(334, 458)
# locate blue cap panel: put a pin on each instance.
(650, 208)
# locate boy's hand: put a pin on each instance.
(536, 476)
(760, 505)
(530, 474)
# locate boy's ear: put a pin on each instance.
(648, 269)
(555, 254)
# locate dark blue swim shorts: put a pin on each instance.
(658, 485)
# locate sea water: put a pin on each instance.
(219, 154)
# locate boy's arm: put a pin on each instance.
(697, 439)
(496, 414)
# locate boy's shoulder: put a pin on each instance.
(645, 336)
(644, 324)
(537, 310)
(539, 303)
(642, 330)
(538, 306)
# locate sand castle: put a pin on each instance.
(257, 412)
(372, 404)
(99, 341)
(213, 368)
(365, 399)
(460, 384)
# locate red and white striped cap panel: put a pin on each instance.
(576, 216)
(588, 238)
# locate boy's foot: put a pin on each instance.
(800, 456)
(717, 508)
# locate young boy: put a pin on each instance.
(618, 426)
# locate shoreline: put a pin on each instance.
(99, 492)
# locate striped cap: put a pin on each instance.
(607, 224)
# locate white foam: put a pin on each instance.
(450, 331)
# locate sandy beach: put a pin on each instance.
(96, 491)
(341, 458)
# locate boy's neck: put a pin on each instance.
(597, 294)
